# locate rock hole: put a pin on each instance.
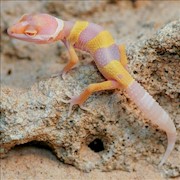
(38, 144)
(135, 72)
(96, 145)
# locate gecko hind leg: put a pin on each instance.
(106, 85)
(123, 56)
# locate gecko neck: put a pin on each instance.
(65, 31)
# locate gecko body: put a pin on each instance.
(110, 59)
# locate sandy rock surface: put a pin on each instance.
(112, 134)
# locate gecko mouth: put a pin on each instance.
(37, 39)
(19, 36)
(13, 34)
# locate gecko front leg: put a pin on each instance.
(73, 60)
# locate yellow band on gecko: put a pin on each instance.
(78, 27)
(102, 40)
(116, 70)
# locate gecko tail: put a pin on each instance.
(171, 143)
(155, 113)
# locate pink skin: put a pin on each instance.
(104, 55)
(154, 112)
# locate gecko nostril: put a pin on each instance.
(10, 31)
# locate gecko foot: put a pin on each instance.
(73, 101)
(61, 73)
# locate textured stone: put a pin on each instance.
(113, 134)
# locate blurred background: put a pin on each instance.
(23, 64)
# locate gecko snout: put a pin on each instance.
(10, 31)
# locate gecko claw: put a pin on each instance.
(61, 73)
(86, 109)
(73, 101)
(70, 106)
(70, 109)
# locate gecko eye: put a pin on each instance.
(30, 33)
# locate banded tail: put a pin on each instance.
(154, 112)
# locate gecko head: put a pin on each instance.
(37, 28)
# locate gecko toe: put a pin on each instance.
(64, 75)
(61, 73)
(73, 101)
